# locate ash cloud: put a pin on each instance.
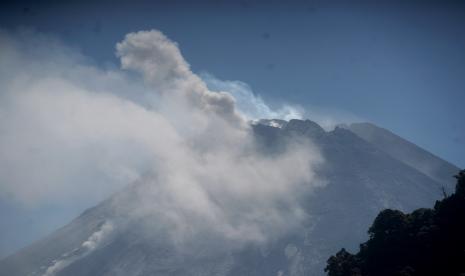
(72, 131)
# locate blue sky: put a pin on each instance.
(400, 65)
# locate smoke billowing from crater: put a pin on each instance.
(71, 131)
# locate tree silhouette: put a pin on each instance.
(424, 242)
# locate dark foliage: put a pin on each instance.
(424, 242)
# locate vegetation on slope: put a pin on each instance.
(424, 242)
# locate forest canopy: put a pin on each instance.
(424, 242)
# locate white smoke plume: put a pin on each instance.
(252, 105)
(72, 131)
(95, 240)
(255, 108)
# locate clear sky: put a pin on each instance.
(398, 64)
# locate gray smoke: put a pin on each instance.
(74, 131)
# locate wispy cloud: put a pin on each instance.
(251, 104)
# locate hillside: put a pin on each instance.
(359, 180)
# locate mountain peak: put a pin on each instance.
(272, 122)
(304, 127)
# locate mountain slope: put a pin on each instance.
(408, 153)
(360, 180)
